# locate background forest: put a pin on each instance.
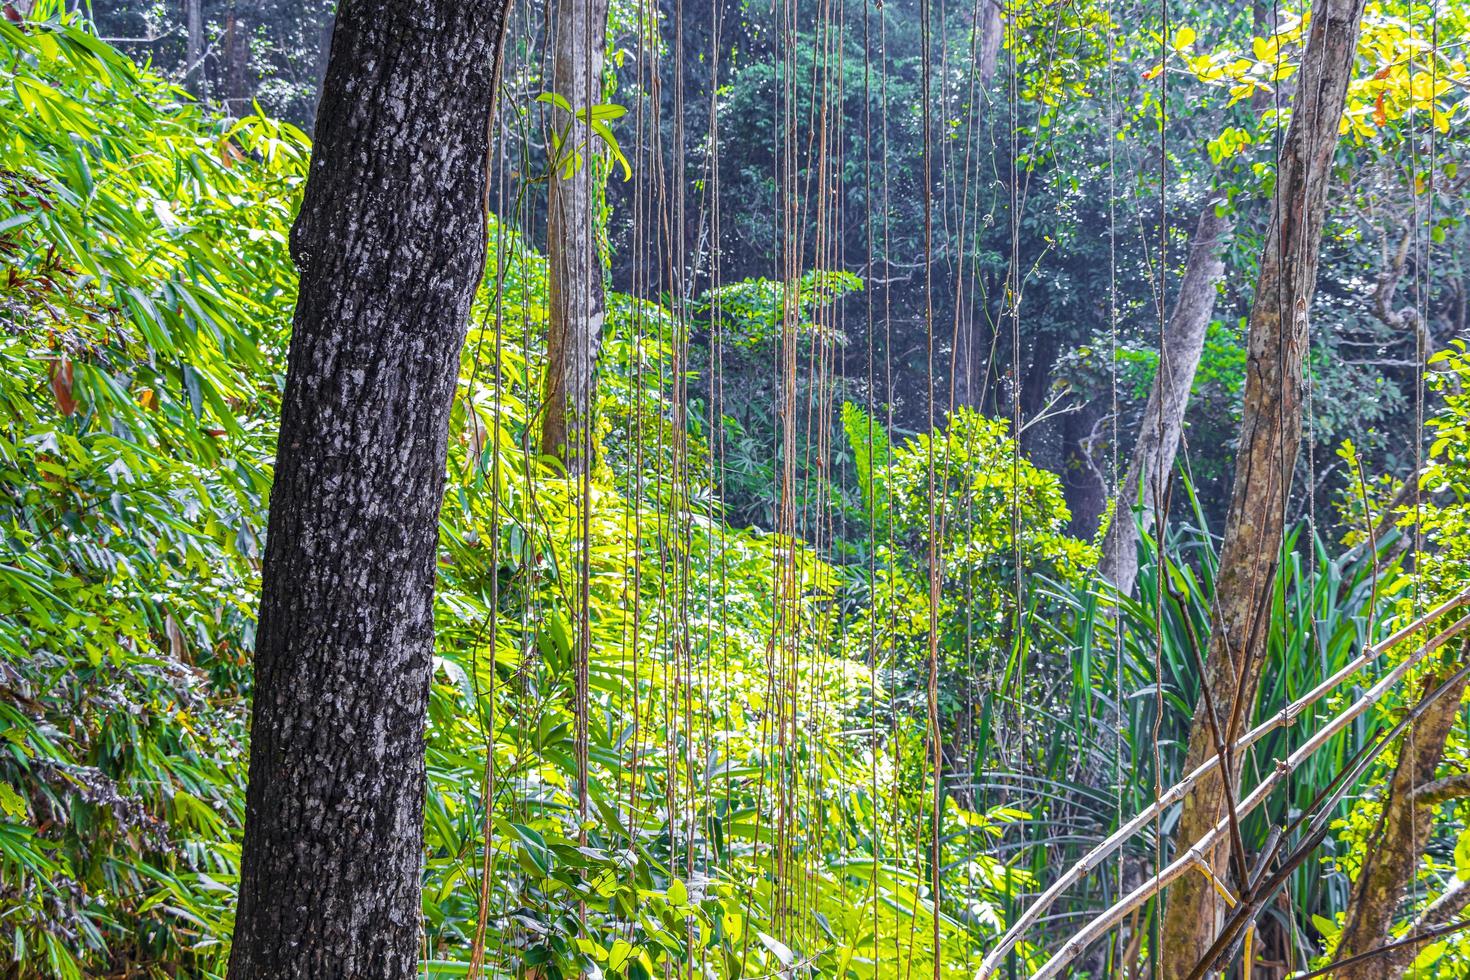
(841, 507)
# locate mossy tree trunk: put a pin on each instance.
(1405, 824)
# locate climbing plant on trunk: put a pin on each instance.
(577, 304)
(390, 244)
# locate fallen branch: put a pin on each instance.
(1322, 809)
(1175, 793)
(1391, 948)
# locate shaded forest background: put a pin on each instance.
(1366, 368)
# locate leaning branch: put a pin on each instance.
(1202, 847)
(1175, 793)
(1443, 790)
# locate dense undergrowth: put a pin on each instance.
(746, 793)
(146, 311)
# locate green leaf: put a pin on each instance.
(781, 951)
(1462, 855)
(12, 803)
(678, 893)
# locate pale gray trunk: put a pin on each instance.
(576, 303)
(1159, 433)
(1269, 442)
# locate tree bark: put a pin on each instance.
(390, 244)
(238, 88)
(1270, 439)
(1152, 459)
(577, 306)
(991, 31)
(194, 47)
(1393, 852)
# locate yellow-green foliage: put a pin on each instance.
(1442, 518)
(743, 809)
(999, 523)
(141, 326)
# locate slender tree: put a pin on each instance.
(577, 305)
(390, 244)
(1151, 463)
(194, 46)
(1270, 438)
(1152, 459)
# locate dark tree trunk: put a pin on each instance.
(238, 90)
(1269, 441)
(390, 243)
(576, 302)
(1082, 483)
(194, 46)
(1152, 459)
(973, 333)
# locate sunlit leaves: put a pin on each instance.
(146, 292)
(1403, 75)
(567, 156)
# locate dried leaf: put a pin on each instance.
(178, 648)
(61, 385)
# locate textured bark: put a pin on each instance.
(576, 302)
(1269, 442)
(390, 244)
(1152, 459)
(1393, 852)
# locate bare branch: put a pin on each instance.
(1443, 790)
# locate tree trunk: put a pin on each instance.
(1270, 438)
(194, 47)
(577, 307)
(238, 90)
(324, 52)
(1152, 459)
(991, 30)
(973, 333)
(1393, 851)
(1083, 486)
(390, 244)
